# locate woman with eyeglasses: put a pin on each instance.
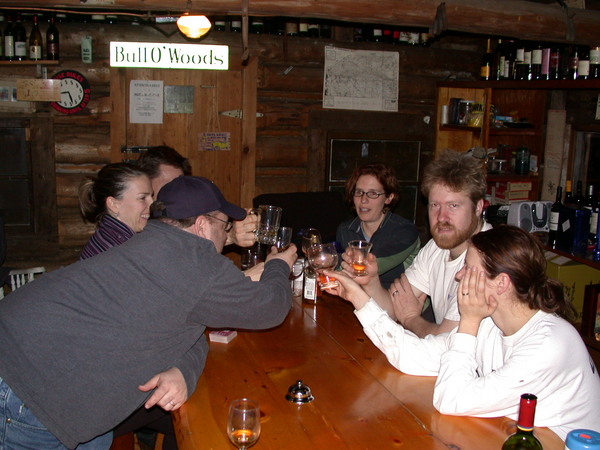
(373, 190)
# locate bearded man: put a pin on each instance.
(455, 186)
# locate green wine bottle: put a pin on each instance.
(524, 438)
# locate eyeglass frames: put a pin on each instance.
(369, 194)
(229, 223)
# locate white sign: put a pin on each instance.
(169, 56)
(145, 101)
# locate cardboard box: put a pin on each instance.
(575, 277)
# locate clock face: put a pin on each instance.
(74, 92)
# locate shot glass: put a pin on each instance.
(250, 258)
(270, 217)
(358, 251)
(284, 238)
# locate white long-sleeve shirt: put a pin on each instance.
(485, 375)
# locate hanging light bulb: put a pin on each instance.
(193, 26)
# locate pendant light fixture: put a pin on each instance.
(193, 26)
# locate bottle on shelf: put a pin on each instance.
(291, 28)
(487, 62)
(595, 62)
(387, 36)
(591, 203)
(35, 41)
(519, 67)
(498, 69)
(257, 25)
(1, 36)
(555, 219)
(536, 62)
(325, 30)
(568, 193)
(9, 40)
(524, 438)
(583, 64)
(526, 67)
(313, 29)
(522, 160)
(20, 40)
(303, 28)
(545, 70)
(509, 60)
(219, 24)
(555, 63)
(52, 41)
(236, 25)
(573, 63)
(579, 199)
(377, 34)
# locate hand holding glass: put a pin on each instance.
(268, 224)
(324, 256)
(243, 423)
(284, 238)
(359, 251)
(250, 258)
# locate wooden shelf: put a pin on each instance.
(494, 177)
(520, 84)
(514, 132)
(44, 62)
(456, 127)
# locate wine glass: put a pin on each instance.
(310, 237)
(243, 423)
(324, 256)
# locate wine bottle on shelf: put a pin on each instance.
(579, 198)
(555, 63)
(291, 28)
(487, 62)
(1, 36)
(377, 34)
(573, 63)
(524, 438)
(313, 29)
(554, 219)
(303, 28)
(498, 69)
(52, 41)
(536, 62)
(20, 40)
(526, 73)
(569, 194)
(236, 25)
(219, 24)
(583, 64)
(519, 68)
(257, 25)
(9, 40)
(35, 41)
(545, 72)
(595, 62)
(591, 203)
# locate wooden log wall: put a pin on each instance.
(291, 134)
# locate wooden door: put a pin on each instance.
(214, 94)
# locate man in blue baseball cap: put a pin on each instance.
(84, 346)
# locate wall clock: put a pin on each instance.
(74, 92)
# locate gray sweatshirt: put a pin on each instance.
(76, 343)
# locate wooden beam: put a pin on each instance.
(509, 18)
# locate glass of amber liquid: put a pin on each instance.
(359, 251)
(243, 423)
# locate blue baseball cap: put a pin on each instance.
(188, 196)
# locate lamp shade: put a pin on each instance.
(193, 26)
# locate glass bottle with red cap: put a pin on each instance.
(524, 438)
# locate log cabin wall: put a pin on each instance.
(291, 134)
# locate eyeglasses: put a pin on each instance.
(229, 223)
(369, 194)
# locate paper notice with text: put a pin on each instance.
(361, 79)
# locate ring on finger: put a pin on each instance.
(395, 292)
(465, 293)
(171, 403)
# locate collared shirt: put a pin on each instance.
(110, 233)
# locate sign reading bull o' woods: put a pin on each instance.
(169, 56)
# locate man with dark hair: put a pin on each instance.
(84, 346)
(455, 186)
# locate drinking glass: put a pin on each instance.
(269, 219)
(243, 423)
(323, 256)
(310, 237)
(284, 238)
(358, 251)
(250, 258)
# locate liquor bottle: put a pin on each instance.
(487, 62)
(536, 62)
(568, 194)
(1, 40)
(35, 41)
(555, 63)
(519, 62)
(509, 60)
(309, 292)
(554, 219)
(377, 34)
(236, 25)
(583, 64)
(524, 438)
(573, 64)
(52, 41)
(257, 25)
(220, 25)
(9, 40)
(579, 198)
(595, 63)
(291, 28)
(303, 28)
(20, 40)
(526, 68)
(498, 69)
(313, 29)
(387, 36)
(591, 203)
(545, 72)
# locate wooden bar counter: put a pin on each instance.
(361, 401)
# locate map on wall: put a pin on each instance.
(361, 79)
